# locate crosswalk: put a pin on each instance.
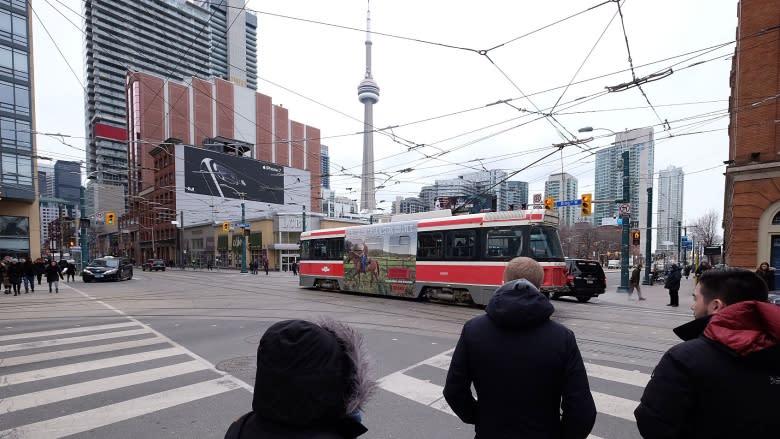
(428, 392)
(66, 365)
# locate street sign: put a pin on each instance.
(240, 225)
(99, 217)
(568, 203)
(537, 198)
(625, 209)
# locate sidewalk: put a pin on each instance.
(656, 296)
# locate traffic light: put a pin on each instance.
(225, 226)
(635, 236)
(110, 218)
(549, 203)
(586, 208)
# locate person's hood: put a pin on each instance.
(519, 304)
(311, 374)
(746, 327)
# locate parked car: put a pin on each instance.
(108, 268)
(585, 279)
(153, 265)
(774, 297)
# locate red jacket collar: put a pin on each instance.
(746, 327)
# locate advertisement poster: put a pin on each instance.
(226, 176)
(380, 259)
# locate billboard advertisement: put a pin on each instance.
(226, 176)
(381, 258)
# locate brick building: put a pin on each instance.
(751, 218)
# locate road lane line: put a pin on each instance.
(87, 366)
(615, 406)
(71, 340)
(632, 377)
(57, 355)
(412, 388)
(23, 335)
(85, 388)
(122, 411)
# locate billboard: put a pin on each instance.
(226, 176)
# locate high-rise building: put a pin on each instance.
(516, 194)
(173, 39)
(45, 180)
(409, 205)
(19, 212)
(325, 166)
(67, 181)
(368, 95)
(751, 206)
(669, 208)
(562, 187)
(640, 145)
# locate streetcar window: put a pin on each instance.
(429, 245)
(461, 244)
(305, 250)
(504, 242)
(335, 249)
(319, 249)
(544, 244)
(330, 249)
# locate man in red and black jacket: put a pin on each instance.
(724, 380)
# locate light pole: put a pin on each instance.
(243, 234)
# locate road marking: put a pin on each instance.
(56, 355)
(71, 340)
(632, 377)
(87, 366)
(77, 390)
(24, 335)
(423, 392)
(615, 406)
(110, 414)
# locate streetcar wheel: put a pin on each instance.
(583, 299)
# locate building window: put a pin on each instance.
(776, 219)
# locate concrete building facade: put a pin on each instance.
(671, 182)
(516, 194)
(563, 186)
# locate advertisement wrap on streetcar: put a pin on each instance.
(458, 259)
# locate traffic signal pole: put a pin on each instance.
(623, 288)
(243, 238)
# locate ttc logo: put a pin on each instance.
(325, 269)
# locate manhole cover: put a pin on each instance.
(253, 339)
(238, 364)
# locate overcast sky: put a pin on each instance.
(301, 62)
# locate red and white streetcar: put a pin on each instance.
(457, 259)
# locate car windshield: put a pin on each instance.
(113, 263)
(155, 261)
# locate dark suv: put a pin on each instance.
(108, 268)
(584, 279)
(153, 265)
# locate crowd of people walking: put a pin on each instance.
(17, 272)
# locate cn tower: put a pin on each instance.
(368, 95)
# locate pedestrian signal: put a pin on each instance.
(549, 203)
(635, 236)
(586, 208)
(225, 226)
(110, 218)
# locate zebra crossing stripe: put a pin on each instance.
(70, 340)
(615, 406)
(77, 390)
(56, 355)
(66, 331)
(632, 377)
(87, 366)
(113, 413)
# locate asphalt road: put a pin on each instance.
(171, 354)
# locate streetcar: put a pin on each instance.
(457, 259)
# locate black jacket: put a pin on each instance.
(723, 382)
(52, 273)
(527, 371)
(673, 279)
(768, 276)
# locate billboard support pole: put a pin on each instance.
(243, 236)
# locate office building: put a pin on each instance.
(45, 181)
(19, 211)
(516, 194)
(67, 181)
(403, 205)
(325, 167)
(562, 187)
(640, 144)
(173, 39)
(670, 209)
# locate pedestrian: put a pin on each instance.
(40, 268)
(687, 270)
(634, 283)
(723, 380)
(265, 265)
(254, 265)
(209, 265)
(294, 268)
(53, 276)
(311, 382)
(5, 275)
(71, 271)
(767, 273)
(15, 275)
(703, 266)
(673, 285)
(28, 272)
(526, 369)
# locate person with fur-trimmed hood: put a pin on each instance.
(312, 382)
(526, 369)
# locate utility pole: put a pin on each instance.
(623, 288)
(648, 240)
(679, 241)
(82, 224)
(243, 236)
(303, 228)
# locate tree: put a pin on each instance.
(706, 229)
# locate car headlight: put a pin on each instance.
(87, 271)
(112, 271)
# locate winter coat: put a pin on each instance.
(310, 379)
(52, 273)
(673, 279)
(768, 276)
(722, 382)
(15, 272)
(527, 371)
(635, 275)
(28, 269)
(40, 267)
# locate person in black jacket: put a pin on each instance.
(673, 285)
(15, 274)
(28, 271)
(53, 276)
(767, 273)
(311, 383)
(527, 370)
(723, 381)
(40, 268)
